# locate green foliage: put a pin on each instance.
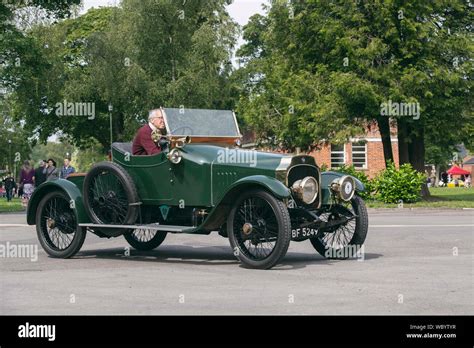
(141, 55)
(20, 57)
(14, 146)
(394, 185)
(81, 159)
(369, 184)
(319, 70)
(54, 150)
(57, 8)
(84, 159)
(439, 155)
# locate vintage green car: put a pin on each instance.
(204, 182)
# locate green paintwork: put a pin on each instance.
(269, 183)
(207, 176)
(77, 180)
(328, 177)
(66, 186)
(207, 180)
(202, 177)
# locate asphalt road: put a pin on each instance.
(415, 262)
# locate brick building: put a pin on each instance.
(468, 164)
(365, 153)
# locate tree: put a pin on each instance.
(18, 50)
(81, 159)
(142, 55)
(20, 65)
(55, 150)
(14, 146)
(59, 58)
(334, 63)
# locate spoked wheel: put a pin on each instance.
(259, 229)
(110, 196)
(343, 241)
(56, 226)
(145, 239)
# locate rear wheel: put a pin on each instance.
(145, 239)
(345, 240)
(259, 229)
(110, 195)
(56, 226)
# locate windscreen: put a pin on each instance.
(201, 122)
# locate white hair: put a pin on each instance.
(152, 113)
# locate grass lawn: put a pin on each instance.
(14, 205)
(441, 197)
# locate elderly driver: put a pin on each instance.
(146, 140)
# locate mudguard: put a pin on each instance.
(270, 184)
(69, 188)
(218, 214)
(326, 180)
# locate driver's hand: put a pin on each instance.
(163, 142)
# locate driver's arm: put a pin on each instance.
(150, 146)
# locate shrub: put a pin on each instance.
(369, 186)
(404, 184)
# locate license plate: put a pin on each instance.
(303, 232)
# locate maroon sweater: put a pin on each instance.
(143, 143)
(26, 177)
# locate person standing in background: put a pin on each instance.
(27, 175)
(9, 184)
(467, 182)
(50, 171)
(40, 177)
(433, 178)
(444, 178)
(67, 169)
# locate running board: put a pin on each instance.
(155, 227)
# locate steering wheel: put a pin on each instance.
(184, 128)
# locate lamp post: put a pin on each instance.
(9, 155)
(110, 117)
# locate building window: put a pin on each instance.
(359, 154)
(338, 155)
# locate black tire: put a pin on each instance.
(110, 195)
(266, 220)
(145, 239)
(348, 235)
(56, 226)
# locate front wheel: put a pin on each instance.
(344, 240)
(56, 226)
(259, 229)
